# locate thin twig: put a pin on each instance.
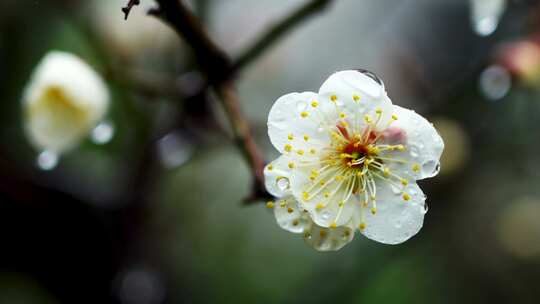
(216, 66)
(126, 9)
(278, 31)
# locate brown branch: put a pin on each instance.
(126, 9)
(278, 31)
(216, 66)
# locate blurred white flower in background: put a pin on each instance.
(485, 15)
(349, 160)
(63, 101)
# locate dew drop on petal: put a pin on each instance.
(325, 215)
(414, 151)
(495, 82)
(283, 183)
(425, 208)
(102, 133)
(47, 160)
(431, 168)
(395, 189)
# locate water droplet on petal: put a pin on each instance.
(283, 183)
(495, 82)
(431, 168)
(47, 160)
(102, 133)
(395, 189)
(425, 208)
(325, 215)
(414, 151)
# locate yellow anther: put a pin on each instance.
(333, 225)
(282, 204)
(386, 172)
(344, 155)
(270, 167)
(322, 233)
(367, 118)
(341, 203)
(416, 168)
(400, 147)
(319, 206)
(312, 151)
(356, 97)
(287, 148)
(373, 210)
(290, 137)
(359, 173)
(404, 182)
(290, 210)
(305, 196)
(339, 178)
(344, 123)
(378, 111)
(394, 117)
(333, 98)
(406, 197)
(314, 103)
(300, 152)
(326, 194)
(342, 115)
(304, 114)
(291, 165)
(373, 149)
(295, 223)
(322, 183)
(269, 204)
(313, 177)
(372, 197)
(306, 137)
(362, 226)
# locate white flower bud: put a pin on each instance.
(63, 101)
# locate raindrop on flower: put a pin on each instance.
(425, 208)
(47, 160)
(495, 82)
(431, 168)
(414, 151)
(395, 189)
(102, 133)
(283, 183)
(325, 215)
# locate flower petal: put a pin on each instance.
(328, 201)
(356, 95)
(423, 145)
(399, 215)
(328, 239)
(290, 217)
(295, 124)
(277, 177)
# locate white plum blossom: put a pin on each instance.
(63, 101)
(350, 160)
